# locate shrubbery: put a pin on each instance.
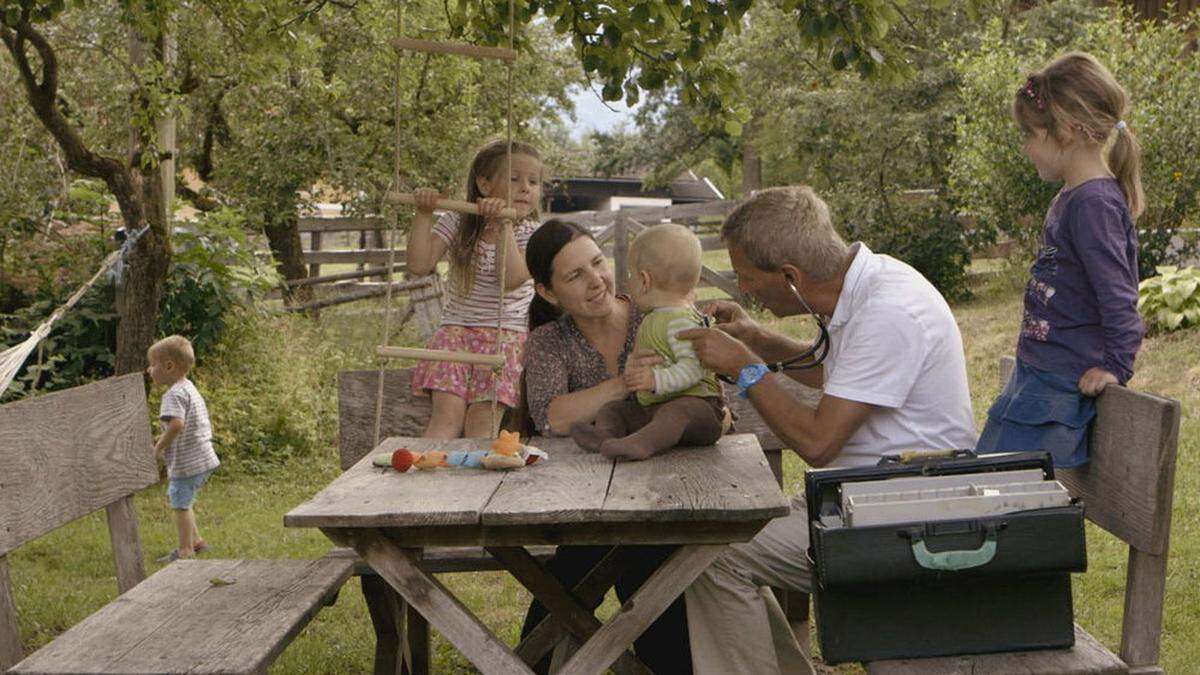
(213, 270)
(997, 185)
(1171, 300)
(270, 385)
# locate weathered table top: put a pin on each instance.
(719, 494)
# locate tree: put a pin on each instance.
(310, 103)
(633, 46)
(133, 181)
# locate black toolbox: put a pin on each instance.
(937, 587)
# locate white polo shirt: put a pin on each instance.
(893, 343)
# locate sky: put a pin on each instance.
(592, 114)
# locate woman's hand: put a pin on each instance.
(427, 199)
(1095, 380)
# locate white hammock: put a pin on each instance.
(13, 358)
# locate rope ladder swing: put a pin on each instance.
(396, 198)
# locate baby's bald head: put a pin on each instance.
(671, 254)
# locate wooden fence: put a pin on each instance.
(611, 228)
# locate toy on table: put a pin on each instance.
(507, 453)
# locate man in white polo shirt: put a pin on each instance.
(894, 379)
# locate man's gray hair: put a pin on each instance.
(786, 225)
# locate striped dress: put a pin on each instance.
(477, 307)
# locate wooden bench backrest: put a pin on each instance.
(66, 454)
(1129, 483)
(403, 413)
(1128, 488)
(63, 456)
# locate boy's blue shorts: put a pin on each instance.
(181, 492)
(1039, 410)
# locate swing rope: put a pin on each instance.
(501, 250)
(387, 312)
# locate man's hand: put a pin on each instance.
(1095, 380)
(732, 319)
(719, 351)
(639, 379)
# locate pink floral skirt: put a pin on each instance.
(473, 383)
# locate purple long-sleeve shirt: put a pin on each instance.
(1081, 300)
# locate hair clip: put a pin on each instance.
(1031, 92)
(1121, 125)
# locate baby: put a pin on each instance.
(677, 402)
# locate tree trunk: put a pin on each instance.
(146, 266)
(138, 300)
(283, 234)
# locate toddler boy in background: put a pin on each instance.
(186, 442)
(678, 402)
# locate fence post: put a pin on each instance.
(314, 244)
(621, 253)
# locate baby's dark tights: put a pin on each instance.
(629, 430)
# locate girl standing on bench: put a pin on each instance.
(462, 393)
(1081, 329)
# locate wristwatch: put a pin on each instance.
(749, 376)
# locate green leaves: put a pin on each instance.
(1171, 300)
(998, 185)
(634, 46)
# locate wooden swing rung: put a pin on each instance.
(493, 360)
(395, 198)
(459, 48)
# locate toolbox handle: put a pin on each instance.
(954, 561)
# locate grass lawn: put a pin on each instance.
(65, 576)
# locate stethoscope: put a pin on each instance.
(809, 358)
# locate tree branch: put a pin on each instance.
(43, 98)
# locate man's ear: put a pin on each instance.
(546, 294)
(792, 274)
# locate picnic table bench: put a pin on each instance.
(67, 454)
(699, 498)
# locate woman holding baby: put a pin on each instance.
(580, 342)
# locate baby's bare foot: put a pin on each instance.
(588, 436)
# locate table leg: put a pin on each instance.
(577, 618)
(651, 600)
(400, 568)
(416, 641)
(383, 605)
(589, 591)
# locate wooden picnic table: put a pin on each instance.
(701, 499)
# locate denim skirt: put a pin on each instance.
(1039, 410)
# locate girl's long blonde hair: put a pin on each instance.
(1076, 92)
(487, 163)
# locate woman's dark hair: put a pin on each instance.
(543, 246)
